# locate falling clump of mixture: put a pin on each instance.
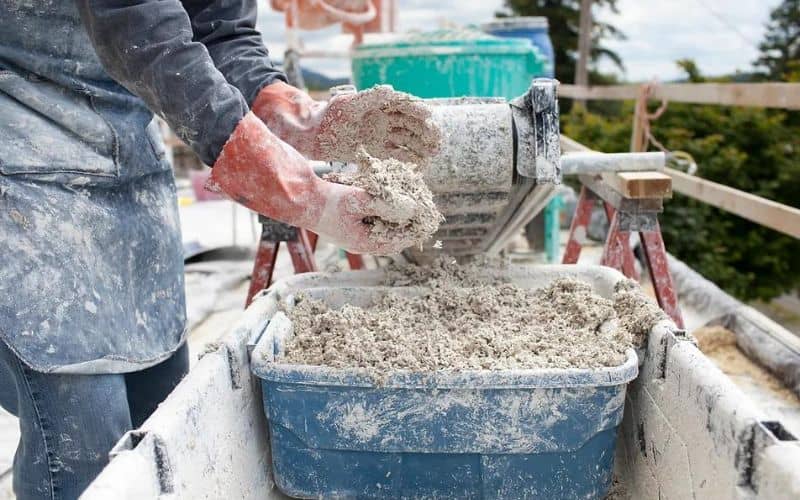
(406, 202)
(636, 311)
(459, 322)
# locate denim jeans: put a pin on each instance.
(69, 423)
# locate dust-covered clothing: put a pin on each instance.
(92, 272)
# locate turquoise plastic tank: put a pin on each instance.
(450, 64)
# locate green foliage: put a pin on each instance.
(780, 50)
(691, 69)
(755, 150)
(564, 19)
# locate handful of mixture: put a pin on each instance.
(460, 322)
(412, 214)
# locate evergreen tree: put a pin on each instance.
(780, 50)
(692, 71)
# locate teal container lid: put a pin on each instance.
(445, 42)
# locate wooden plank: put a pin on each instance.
(621, 203)
(766, 212)
(640, 184)
(571, 145)
(620, 185)
(610, 92)
(762, 95)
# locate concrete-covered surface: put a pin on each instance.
(759, 338)
(689, 432)
(784, 310)
(762, 339)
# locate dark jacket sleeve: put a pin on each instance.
(148, 47)
(228, 30)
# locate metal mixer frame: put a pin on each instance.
(488, 198)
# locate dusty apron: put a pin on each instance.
(91, 279)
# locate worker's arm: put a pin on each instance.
(386, 123)
(147, 46)
(228, 31)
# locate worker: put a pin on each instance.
(92, 314)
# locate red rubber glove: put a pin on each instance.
(265, 174)
(387, 123)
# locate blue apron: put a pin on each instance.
(91, 279)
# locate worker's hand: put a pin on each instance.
(265, 174)
(387, 123)
(344, 220)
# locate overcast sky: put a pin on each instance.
(720, 37)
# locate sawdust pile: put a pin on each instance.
(406, 203)
(719, 344)
(462, 322)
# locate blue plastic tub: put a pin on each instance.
(334, 433)
(535, 29)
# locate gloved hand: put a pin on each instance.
(265, 174)
(387, 123)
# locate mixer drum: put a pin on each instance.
(498, 166)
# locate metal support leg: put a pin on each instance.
(617, 251)
(300, 243)
(313, 238)
(302, 253)
(656, 257)
(263, 268)
(579, 227)
(356, 261)
(628, 266)
(615, 248)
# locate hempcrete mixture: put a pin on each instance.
(465, 321)
(400, 188)
(373, 118)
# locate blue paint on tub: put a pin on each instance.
(338, 433)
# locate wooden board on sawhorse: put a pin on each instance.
(301, 244)
(626, 215)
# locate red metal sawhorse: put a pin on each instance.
(301, 244)
(617, 252)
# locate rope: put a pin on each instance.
(679, 159)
